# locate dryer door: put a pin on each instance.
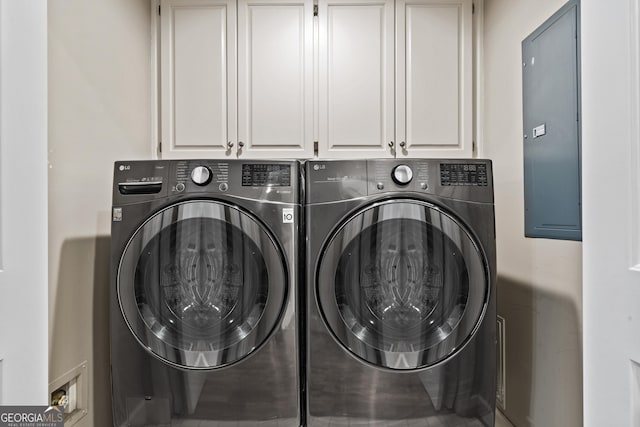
(402, 285)
(202, 284)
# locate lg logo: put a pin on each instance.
(318, 167)
(124, 167)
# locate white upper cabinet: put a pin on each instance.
(426, 63)
(365, 78)
(268, 110)
(197, 73)
(356, 78)
(434, 78)
(275, 79)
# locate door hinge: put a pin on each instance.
(473, 146)
(315, 10)
(159, 146)
(315, 148)
(473, 8)
(159, 10)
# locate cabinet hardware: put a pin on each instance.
(391, 144)
(402, 144)
(229, 145)
(240, 144)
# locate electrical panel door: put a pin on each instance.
(551, 113)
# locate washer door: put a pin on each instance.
(402, 285)
(201, 284)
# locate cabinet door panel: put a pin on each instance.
(356, 78)
(275, 86)
(198, 78)
(434, 93)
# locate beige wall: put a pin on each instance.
(99, 111)
(539, 280)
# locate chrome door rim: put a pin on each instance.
(150, 336)
(349, 337)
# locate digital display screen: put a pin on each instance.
(474, 174)
(266, 175)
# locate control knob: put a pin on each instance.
(201, 175)
(402, 174)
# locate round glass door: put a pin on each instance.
(201, 285)
(402, 285)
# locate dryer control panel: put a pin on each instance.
(463, 174)
(398, 176)
(334, 180)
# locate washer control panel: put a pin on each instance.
(266, 175)
(196, 175)
(268, 180)
(140, 179)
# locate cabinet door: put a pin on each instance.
(198, 72)
(275, 78)
(434, 78)
(356, 81)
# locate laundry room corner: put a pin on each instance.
(99, 111)
(539, 280)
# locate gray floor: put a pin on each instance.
(501, 421)
(436, 421)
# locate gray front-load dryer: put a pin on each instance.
(204, 325)
(400, 293)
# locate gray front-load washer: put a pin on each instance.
(204, 323)
(401, 305)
